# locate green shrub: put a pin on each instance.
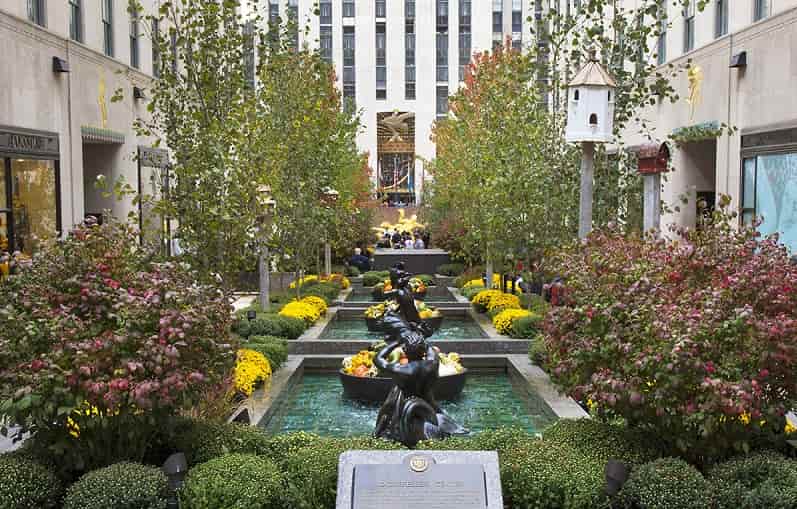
(352, 271)
(537, 352)
(373, 277)
(427, 279)
(470, 274)
(123, 485)
(527, 327)
(328, 291)
(26, 484)
(601, 441)
(283, 445)
(545, 475)
(665, 484)
(242, 481)
(276, 325)
(275, 349)
(202, 441)
(471, 292)
(450, 269)
(534, 303)
(311, 472)
(761, 480)
(242, 327)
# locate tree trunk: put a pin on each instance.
(264, 269)
(488, 270)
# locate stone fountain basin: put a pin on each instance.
(377, 388)
(434, 323)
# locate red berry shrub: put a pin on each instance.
(100, 340)
(694, 339)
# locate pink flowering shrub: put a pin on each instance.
(100, 344)
(694, 339)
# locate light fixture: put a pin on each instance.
(251, 315)
(739, 60)
(138, 93)
(616, 475)
(175, 468)
(60, 65)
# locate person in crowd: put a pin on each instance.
(418, 243)
(397, 241)
(360, 261)
(408, 244)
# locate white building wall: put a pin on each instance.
(32, 96)
(424, 105)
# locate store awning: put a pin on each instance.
(98, 135)
(652, 158)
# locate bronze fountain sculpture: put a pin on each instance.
(410, 413)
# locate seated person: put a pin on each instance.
(360, 261)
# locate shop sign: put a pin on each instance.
(25, 142)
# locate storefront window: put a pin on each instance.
(3, 212)
(769, 191)
(33, 203)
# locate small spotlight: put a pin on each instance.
(138, 93)
(616, 475)
(739, 60)
(251, 315)
(60, 65)
(175, 467)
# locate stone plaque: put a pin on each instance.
(419, 479)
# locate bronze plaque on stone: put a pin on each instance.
(419, 482)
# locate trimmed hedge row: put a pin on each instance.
(271, 325)
(241, 466)
(273, 348)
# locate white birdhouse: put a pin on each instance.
(590, 108)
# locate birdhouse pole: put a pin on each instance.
(590, 120)
(587, 179)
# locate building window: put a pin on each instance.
(409, 9)
(769, 184)
(173, 45)
(349, 77)
(29, 203)
(761, 10)
(517, 16)
(381, 61)
(465, 41)
(325, 12)
(442, 57)
(442, 101)
(107, 26)
(409, 58)
(249, 53)
(689, 26)
(721, 23)
(274, 12)
(326, 43)
(293, 18)
(381, 8)
(36, 12)
(75, 20)
(442, 15)
(156, 55)
(134, 21)
(661, 51)
(348, 8)
(498, 17)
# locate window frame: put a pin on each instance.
(37, 12)
(438, 98)
(689, 26)
(76, 20)
(721, 19)
(349, 10)
(661, 43)
(106, 19)
(135, 36)
(761, 10)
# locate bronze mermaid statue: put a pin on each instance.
(410, 413)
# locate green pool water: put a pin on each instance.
(461, 327)
(316, 404)
(430, 299)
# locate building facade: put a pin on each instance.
(397, 62)
(61, 63)
(743, 58)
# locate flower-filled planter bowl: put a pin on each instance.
(377, 388)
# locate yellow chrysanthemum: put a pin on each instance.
(504, 301)
(319, 303)
(305, 280)
(484, 297)
(496, 284)
(302, 310)
(790, 428)
(251, 367)
(503, 320)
